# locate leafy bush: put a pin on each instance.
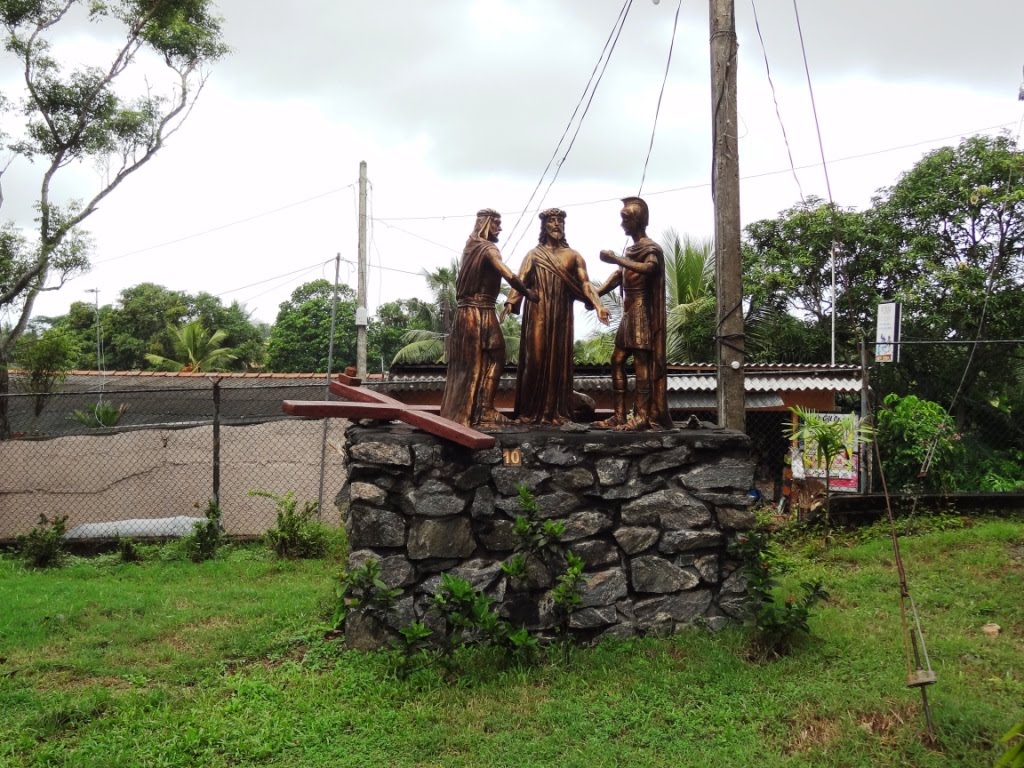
(776, 624)
(103, 415)
(363, 591)
(297, 533)
(43, 546)
(206, 537)
(909, 429)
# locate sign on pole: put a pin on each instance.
(887, 336)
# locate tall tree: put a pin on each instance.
(87, 116)
(300, 338)
(787, 273)
(956, 221)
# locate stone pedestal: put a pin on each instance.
(650, 513)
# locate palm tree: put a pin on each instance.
(195, 349)
(689, 297)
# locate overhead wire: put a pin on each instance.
(775, 100)
(572, 117)
(824, 168)
(661, 93)
(703, 185)
(621, 22)
(222, 226)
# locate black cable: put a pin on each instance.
(620, 22)
(775, 99)
(568, 125)
(661, 93)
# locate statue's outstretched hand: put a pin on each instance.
(603, 314)
(609, 257)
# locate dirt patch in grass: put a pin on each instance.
(885, 724)
(809, 731)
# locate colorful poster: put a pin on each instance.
(845, 470)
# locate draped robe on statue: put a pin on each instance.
(475, 330)
(544, 379)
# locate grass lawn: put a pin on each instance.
(104, 663)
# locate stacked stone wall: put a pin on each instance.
(651, 515)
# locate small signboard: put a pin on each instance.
(845, 469)
(887, 336)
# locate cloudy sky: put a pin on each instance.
(459, 104)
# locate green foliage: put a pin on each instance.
(920, 446)
(297, 533)
(45, 360)
(99, 113)
(363, 591)
(164, 664)
(776, 624)
(43, 546)
(144, 319)
(538, 538)
(103, 415)
(207, 536)
(690, 300)
(827, 439)
(1014, 740)
(128, 551)
(301, 336)
(196, 349)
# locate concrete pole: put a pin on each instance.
(361, 318)
(725, 185)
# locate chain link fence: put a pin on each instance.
(146, 461)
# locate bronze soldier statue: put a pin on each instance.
(476, 348)
(641, 334)
(558, 274)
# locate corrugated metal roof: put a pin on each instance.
(709, 400)
(827, 378)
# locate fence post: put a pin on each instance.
(216, 441)
(866, 480)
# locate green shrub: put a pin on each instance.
(909, 429)
(43, 546)
(297, 533)
(776, 624)
(103, 415)
(206, 537)
(127, 551)
(362, 590)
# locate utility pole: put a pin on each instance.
(361, 318)
(725, 187)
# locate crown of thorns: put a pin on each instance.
(489, 212)
(552, 213)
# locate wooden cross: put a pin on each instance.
(361, 403)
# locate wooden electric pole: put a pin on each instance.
(725, 188)
(361, 319)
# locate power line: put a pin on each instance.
(775, 99)
(748, 177)
(661, 93)
(223, 226)
(620, 22)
